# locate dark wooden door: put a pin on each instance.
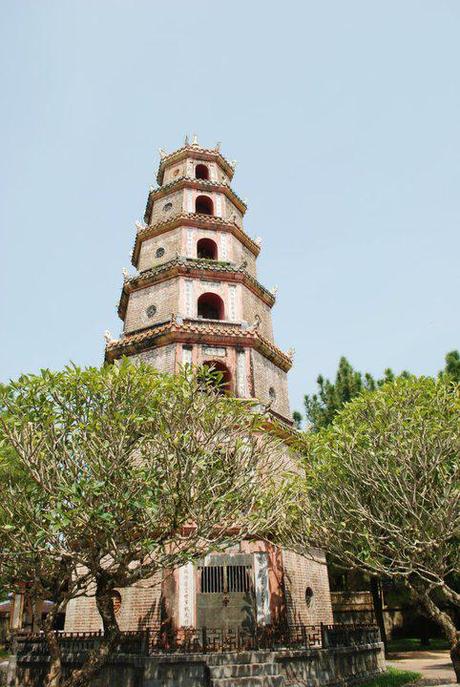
(225, 592)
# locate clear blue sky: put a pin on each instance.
(343, 116)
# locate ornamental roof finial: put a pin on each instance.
(108, 337)
(291, 353)
(163, 153)
(233, 163)
(186, 141)
(256, 324)
(195, 140)
(217, 147)
(274, 290)
(258, 241)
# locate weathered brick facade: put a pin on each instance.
(189, 307)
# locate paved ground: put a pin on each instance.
(433, 664)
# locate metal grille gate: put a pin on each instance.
(225, 592)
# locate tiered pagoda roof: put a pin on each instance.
(193, 330)
(193, 267)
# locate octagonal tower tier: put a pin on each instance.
(196, 298)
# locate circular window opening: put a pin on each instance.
(116, 599)
(272, 394)
(160, 252)
(309, 596)
(167, 207)
(151, 310)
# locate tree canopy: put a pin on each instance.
(321, 407)
(113, 474)
(381, 490)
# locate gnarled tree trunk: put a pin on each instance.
(100, 655)
(444, 620)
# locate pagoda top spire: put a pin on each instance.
(196, 151)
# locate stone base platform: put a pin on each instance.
(329, 667)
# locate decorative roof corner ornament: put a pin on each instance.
(151, 189)
(217, 146)
(245, 201)
(163, 153)
(291, 353)
(140, 225)
(243, 265)
(256, 324)
(186, 141)
(173, 318)
(125, 274)
(274, 290)
(108, 337)
(258, 241)
(233, 163)
(195, 140)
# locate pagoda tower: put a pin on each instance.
(195, 299)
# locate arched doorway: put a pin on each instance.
(210, 306)
(204, 205)
(206, 249)
(201, 172)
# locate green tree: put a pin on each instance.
(452, 366)
(124, 471)
(322, 407)
(381, 492)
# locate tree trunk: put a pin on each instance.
(446, 623)
(54, 676)
(100, 655)
(376, 591)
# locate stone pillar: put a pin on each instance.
(187, 593)
(262, 588)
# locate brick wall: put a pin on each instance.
(174, 171)
(140, 608)
(171, 241)
(164, 296)
(162, 359)
(267, 375)
(159, 214)
(252, 305)
(300, 573)
(231, 210)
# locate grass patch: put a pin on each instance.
(393, 677)
(413, 644)
(3, 653)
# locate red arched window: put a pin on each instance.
(204, 205)
(210, 307)
(224, 378)
(201, 172)
(207, 249)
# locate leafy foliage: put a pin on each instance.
(331, 396)
(113, 474)
(381, 489)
